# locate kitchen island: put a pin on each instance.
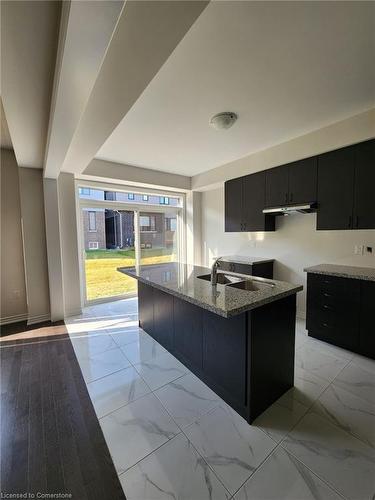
(240, 342)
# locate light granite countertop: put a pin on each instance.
(354, 272)
(241, 259)
(181, 280)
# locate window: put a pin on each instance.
(85, 191)
(147, 223)
(130, 196)
(92, 221)
(145, 197)
(164, 200)
(170, 224)
(93, 245)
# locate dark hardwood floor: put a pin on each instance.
(51, 440)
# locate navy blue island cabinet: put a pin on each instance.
(247, 359)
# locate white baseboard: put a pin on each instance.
(32, 320)
(73, 312)
(6, 320)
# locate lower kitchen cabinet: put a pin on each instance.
(366, 319)
(339, 310)
(163, 318)
(146, 308)
(224, 353)
(248, 359)
(188, 338)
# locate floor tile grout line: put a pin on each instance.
(313, 472)
(182, 431)
(100, 378)
(259, 466)
(149, 454)
(308, 411)
(280, 444)
(208, 465)
(330, 421)
(308, 408)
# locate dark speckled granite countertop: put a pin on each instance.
(182, 281)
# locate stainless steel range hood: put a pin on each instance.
(306, 208)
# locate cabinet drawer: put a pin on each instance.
(344, 336)
(322, 286)
(331, 317)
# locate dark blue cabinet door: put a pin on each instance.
(233, 205)
(277, 189)
(335, 189)
(225, 354)
(364, 186)
(146, 308)
(163, 319)
(188, 332)
(366, 318)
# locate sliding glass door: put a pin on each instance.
(124, 230)
(158, 237)
(108, 244)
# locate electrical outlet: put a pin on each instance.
(16, 294)
(359, 249)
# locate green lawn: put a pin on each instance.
(128, 254)
(102, 277)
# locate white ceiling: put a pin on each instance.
(286, 68)
(86, 30)
(29, 32)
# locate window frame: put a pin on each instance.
(90, 229)
(86, 204)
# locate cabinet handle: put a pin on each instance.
(326, 325)
(244, 226)
(327, 307)
(350, 221)
(327, 294)
(291, 196)
(356, 221)
(286, 197)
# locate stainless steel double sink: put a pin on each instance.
(247, 284)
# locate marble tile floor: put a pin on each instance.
(171, 437)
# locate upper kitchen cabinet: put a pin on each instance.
(303, 176)
(364, 186)
(294, 183)
(233, 205)
(346, 179)
(276, 186)
(244, 202)
(335, 189)
(253, 203)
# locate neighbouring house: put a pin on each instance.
(110, 229)
(94, 229)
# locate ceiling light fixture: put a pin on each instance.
(223, 120)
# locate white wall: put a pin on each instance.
(69, 245)
(34, 242)
(295, 244)
(54, 257)
(13, 289)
